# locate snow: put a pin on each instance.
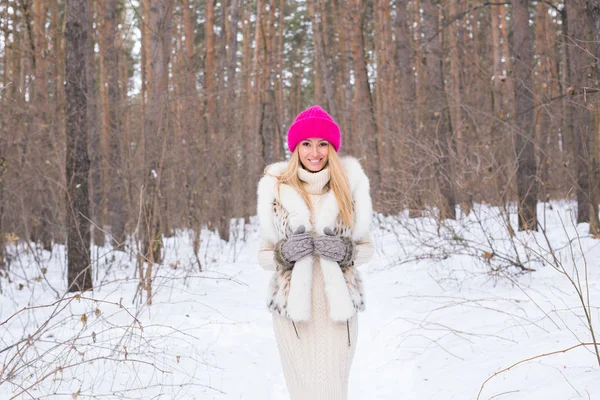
(446, 310)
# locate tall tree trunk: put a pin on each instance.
(438, 114)
(279, 70)
(96, 192)
(406, 93)
(363, 114)
(548, 81)
(383, 111)
(77, 161)
(40, 132)
(421, 138)
(156, 133)
(499, 148)
(57, 122)
(344, 71)
(232, 29)
(253, 145)
(5, 129)
(3, 169)
(578, 123)
(566, 128)
(146, 5)
(40, 85)
(593, 11)
(510, 104)
(338, 45)
(454, 94)
(270, 132)
(210, 108)
(114, 175)
(210, 87)
(4, 133)
(246, 175)
(525, 152)
(231, 125)
(223, 207)
(193, 130)
(325, 61)
(543, 87)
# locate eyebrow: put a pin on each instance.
(320, 140)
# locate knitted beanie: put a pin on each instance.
(314, 122)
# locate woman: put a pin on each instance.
(315, 213)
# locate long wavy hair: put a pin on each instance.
(338, 182)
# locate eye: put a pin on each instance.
(323, 144)
(305, 144)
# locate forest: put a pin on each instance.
(446, 102)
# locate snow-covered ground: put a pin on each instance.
(447, 308)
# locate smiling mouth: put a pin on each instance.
(316, 161)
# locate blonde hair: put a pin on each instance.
(338, 182)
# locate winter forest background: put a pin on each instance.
(133, 134)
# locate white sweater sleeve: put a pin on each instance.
(265, 255)
(364, 251)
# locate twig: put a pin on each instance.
(529, 359)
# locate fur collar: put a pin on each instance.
(299, 213)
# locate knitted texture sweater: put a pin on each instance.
(316, 359)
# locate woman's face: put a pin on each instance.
(313, 154)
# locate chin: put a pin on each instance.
(314, 168)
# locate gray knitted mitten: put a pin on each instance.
(335, 248)
(288, 251)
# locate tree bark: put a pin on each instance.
(210, 108)
(193, 128)
(543, 91)
(338, 48)
(3, 169)
(270, 131)
(114, 176)
(499, 148)
(96, 192)
(363, 121)
(244, 134)
(438, 114)
(593, 11)
(40, 131)
(4, 134)
(406, 94)
(156, 133)
(383, 100)
(325, 61)
(77, 161)
(454, 94)
(522, 45)
(146, 46)
(576, 113)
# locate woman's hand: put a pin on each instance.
(297, 246)
(335, 248)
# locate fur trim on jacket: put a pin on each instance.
(280, 215)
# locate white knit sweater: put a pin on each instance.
(316, 361)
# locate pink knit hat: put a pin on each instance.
(314, 122)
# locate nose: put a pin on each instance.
(314, 150)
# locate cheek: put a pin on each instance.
(324, 152)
